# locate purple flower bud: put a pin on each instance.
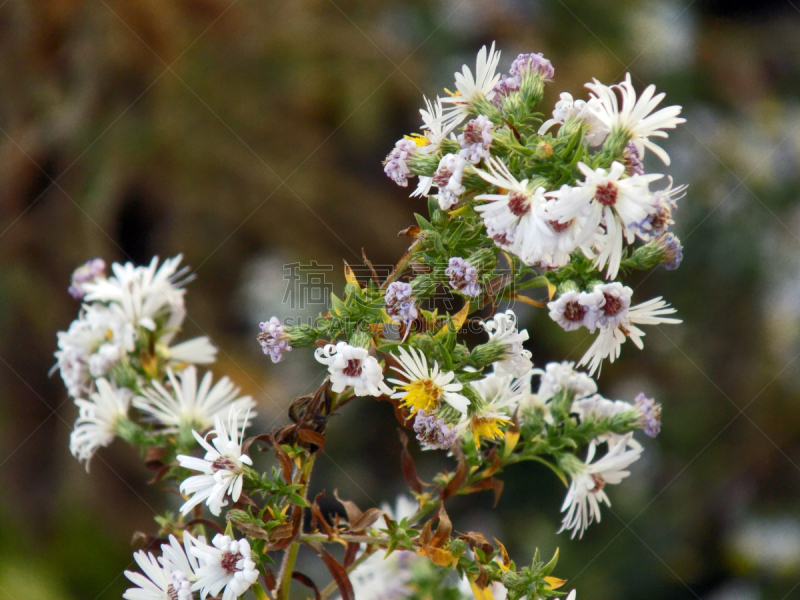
(399, 304)
(673, 251)
(650, 412)
(632, 160)
(395, 165)
(463, 276)
(532, 63)
(433, 433)
(84, 274)
(273, 339)
(503, 88)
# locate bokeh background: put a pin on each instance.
(249, 134)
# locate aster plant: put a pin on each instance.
(552, 213)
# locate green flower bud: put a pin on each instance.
(360, 339)
(423, 287)
(484, 259)
(439, 218)
(568, 286)
(301, 336)
(485, 354)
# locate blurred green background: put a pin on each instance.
(249, 134)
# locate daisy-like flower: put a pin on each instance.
(608, 343)
(476, 139)
(515, 220)
(273, 339)
(186, 404)
(448, 178)
(92, 346)
(221, 469)
(586, 491)
(659, 218)
(352, 366)
(502, 329)
(227, 564)
(500, 394)
(635, 117)
(562, 376)
(98, 419)
(608, 199)
(570, 310)
(568, 108)
(89, 271)
(469, 88)
(463, 276)
(159, 581)
(424, 388)
(145, 293)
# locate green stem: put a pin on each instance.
(287, 568)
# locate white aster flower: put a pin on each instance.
(145, 293)
(98, 419)
(188, 405)
(221, 469)
(500, 394)
(516, 220)
(159, 581)
(92, 346)
(425, 388)
(586, 492)
(502, 329)
(608, 343)
(567, 108)
(557, 377)
(225, 564)
(635, 117)
(352, 366)
(469, 88)
(607, 199)
(435, 130)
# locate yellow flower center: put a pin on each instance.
(419, 139)
(422, 394)
(485, 427)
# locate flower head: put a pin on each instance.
(221, 469)
(586, 491)
(425, 388)
(448, 178)
(476, 139)
(635, 117)
(433, 432)
(502, 329)
(395, 165)
(399, 304)
(98, 419)
(580, 110)
(190, 405)
(463, 276)
(650, 414)
(469, 88)
(168, 577)
(273, 339)
(89, 271)
(352, 366)
(532, 63)
(557, 377)
(228, 564)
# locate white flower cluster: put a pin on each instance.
(120, 352)
(589, 478)
(607, 308)
(195, 566)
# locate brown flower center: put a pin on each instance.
(606, 194)
(229, 560)
(574, 311)
(223, 463)
(353, 368)
(599, 483)
(518, 204)
(559, 227)
(612, 306)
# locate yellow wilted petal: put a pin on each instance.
(419, 139)
(555, 582)
(481, 594)
(511, 439)
(349, 275)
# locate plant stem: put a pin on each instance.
(375, 540)
(287, 568)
